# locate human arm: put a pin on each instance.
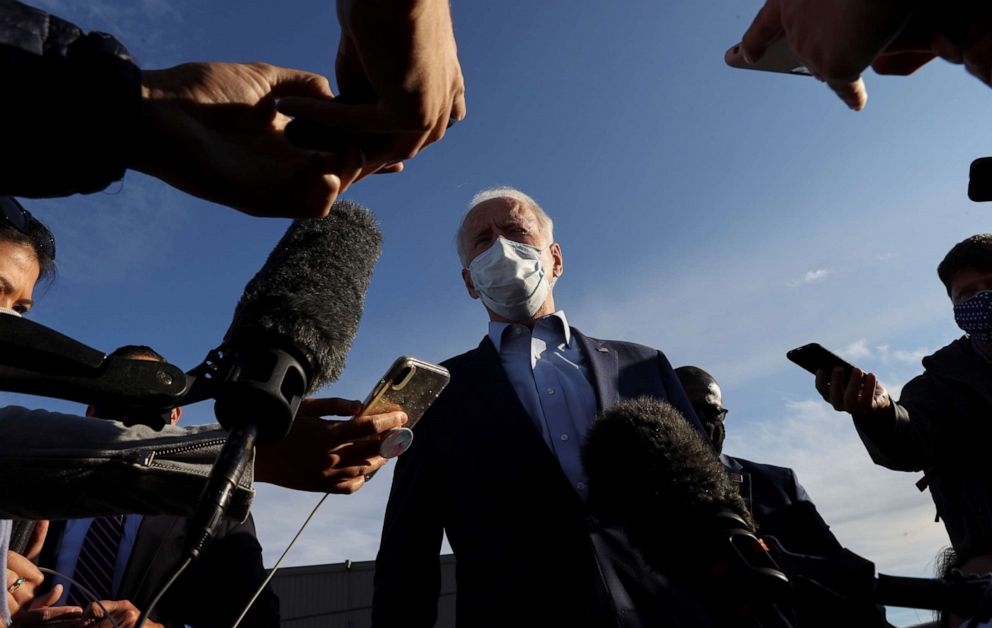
(892, 439)
(85, 113)
(26, 608)
(76, 467)
(397, 64)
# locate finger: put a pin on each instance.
(365, 426)
(52, 613)
(49, 598)
(837, 388)
(853, 93)
(330, 406)
(296, 83)
(24, 568)
(356, 118)
(852, 392)
(390, 168)
(867, 400)
(459, 110)
(978, 59)
(766, 28)
(823, 383)
(37, 540)
(901, 63)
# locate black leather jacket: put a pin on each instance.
(71, 104)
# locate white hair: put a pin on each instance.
(503, 191)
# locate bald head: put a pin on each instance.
(707, 401)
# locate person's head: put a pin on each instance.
(966, 272)
(707, 401)
(509, 257)
(146, 354)
(967, 268)
(27, 254)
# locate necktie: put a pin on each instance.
(97, 559)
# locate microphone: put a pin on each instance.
(655, 471)
(290, 334)
(294, 324)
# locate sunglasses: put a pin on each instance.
(21, 219)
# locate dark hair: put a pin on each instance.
(974, 252)
(34, 234)
(137, 351)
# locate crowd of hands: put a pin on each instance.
(398, 67)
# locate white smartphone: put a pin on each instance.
(779, 57)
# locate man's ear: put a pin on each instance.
(467, 278)
(559, 265)
(174, 415)
(89, 411)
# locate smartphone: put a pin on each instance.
(779, 57)
(410, 385)
(814, 357)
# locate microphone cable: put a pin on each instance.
(275, 567)
(86, 592)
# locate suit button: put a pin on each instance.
(551, 391)
(580, 485)
(564, 436)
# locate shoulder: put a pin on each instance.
(620, 346)
(771, 471)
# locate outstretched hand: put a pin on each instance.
(212, 130)
(860, 395)
(326, 456)
(397, 65)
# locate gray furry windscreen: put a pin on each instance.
(311, 290)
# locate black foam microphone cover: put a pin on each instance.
(661, 477)
(295, 322)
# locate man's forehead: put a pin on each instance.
(499, 210)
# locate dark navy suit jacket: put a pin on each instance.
(210, 593)
(781, 507)
(528, 550)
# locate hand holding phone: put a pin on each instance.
(779, 57)
(410, 385)
(841, 384)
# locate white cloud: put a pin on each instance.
(811, 276)
(857, 350)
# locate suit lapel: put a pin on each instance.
(504, 412)
(603, 366)
(150, 557)
(486, 376)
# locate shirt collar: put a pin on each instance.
(498, 328)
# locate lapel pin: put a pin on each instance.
(602, 349)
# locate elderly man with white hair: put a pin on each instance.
(496, 461)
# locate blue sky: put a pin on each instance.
(723, 216)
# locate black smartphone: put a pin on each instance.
(814, 357)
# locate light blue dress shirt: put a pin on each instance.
(72, 544)
(549, 374)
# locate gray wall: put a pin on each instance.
(340, 595)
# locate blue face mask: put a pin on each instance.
(974, 316)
